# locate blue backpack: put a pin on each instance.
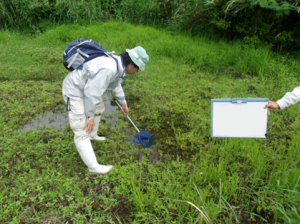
(82, 50)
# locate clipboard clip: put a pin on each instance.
(239, 100)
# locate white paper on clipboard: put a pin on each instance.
(239, 117)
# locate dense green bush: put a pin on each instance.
(258, 23)
(30, 13)
(267, 22)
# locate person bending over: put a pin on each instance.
(83, 90)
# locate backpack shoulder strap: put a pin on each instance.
(110, 54)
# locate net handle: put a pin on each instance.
(128, 117)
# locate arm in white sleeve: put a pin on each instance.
(119, 94)
(93, 91)
(289, 98)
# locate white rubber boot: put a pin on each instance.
(87, 155)
(93, 135)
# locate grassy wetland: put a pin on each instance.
(194, 178)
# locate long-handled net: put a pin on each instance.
(144, 137)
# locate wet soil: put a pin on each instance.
(49, 119)
(59, 120)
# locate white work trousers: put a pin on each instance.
(77, 118)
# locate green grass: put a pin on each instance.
(44, 180)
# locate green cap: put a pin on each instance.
(139, 56)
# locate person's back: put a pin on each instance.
(75, 82)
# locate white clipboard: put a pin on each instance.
(239, 117)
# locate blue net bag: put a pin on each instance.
(144, 138)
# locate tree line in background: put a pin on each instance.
(256, 22)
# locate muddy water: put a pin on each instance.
(60, 120)
(48, 119)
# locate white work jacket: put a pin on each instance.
(289, 98)
(90, 83)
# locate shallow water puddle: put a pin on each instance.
(48, 119)
(60, 120)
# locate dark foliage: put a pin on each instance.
(257, 23)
